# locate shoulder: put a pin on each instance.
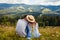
(19, 19)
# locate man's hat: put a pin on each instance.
(30, 18)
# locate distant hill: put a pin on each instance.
(37, 7)
(19, 9)
(58, 11)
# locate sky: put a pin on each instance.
(32, 2)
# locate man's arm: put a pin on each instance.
(20, 28)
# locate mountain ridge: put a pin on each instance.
(5, 5)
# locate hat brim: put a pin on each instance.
(30, 20)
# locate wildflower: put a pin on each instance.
(57, 32)
(53, 35)
(57, 35)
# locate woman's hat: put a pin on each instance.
(30, 18)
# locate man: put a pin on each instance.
(21, 25)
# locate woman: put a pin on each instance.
(32, 28)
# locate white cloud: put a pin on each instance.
(50, 3)
(31, 2)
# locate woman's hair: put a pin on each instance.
(23, 16)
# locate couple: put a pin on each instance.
(27, 27)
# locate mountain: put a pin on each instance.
(5, 5)
(58, 11)
(36, 7)
(53, 8)
(19, 9)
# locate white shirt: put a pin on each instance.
(20, 27)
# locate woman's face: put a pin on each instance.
(32, 23)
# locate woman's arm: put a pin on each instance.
(37, 34)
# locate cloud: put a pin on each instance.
(11, 1)
(53, 0)
(33, 2)
(47, 2)
(50, 3)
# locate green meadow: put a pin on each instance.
(48, 33)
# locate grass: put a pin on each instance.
(48, 33)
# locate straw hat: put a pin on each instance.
(30, 18)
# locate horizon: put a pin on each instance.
(30, 4)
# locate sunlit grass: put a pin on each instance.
(48, 33)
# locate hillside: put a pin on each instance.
(19, 9)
